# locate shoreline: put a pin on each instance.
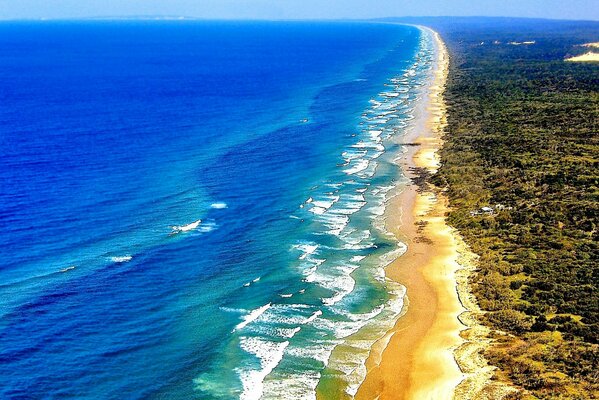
(416, 359)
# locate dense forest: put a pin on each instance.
(520, 164)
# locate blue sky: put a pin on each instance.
(298, 9)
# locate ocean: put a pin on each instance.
(196, 209)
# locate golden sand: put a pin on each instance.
(586, 57)
(430, 354)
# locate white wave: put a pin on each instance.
(378, 121)
(312, 317)
(359, 246)
(365, 316)
(356, 197)
(286, 295)
(309, 272)
(318, 210)
(335, 222)
(319, 351)
(376, 155)
(315, 261)
(358, 165)
(121, 259)
(357, 258)
(382, 189)
(326, 204)
(252, 316)
(186, 228)
(269, 354)
(350, 182)
(381, 114)
(281, 321)
(281, 316)
(329, 301)
(337, 280)
(392, 105)
(375, 103)
(310, 275)
(291, 386)
(232, 310)
(350, 207)
(351, 155)
(207, 227)
(392, 255)
(377, 210)
(252, 281)
(340, 329)
(306, 249)
(321, 206)
(401, 80)
(369, 171)
(219, 205)
(370, 145)
(290, 333)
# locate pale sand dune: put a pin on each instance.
(417, 359)
(586, 57)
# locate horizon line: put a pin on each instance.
(192, 18)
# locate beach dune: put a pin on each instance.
(586, 57)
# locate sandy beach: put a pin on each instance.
(416, 359)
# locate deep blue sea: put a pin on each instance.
(195, 209)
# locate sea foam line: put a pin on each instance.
(252, 316)
(269, 354)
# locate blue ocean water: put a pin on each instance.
(195, 209)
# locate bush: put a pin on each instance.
(510, 320)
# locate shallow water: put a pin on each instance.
(194, 209)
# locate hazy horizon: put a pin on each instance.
(158, 17)
(296, 9)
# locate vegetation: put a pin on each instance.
(523, 140)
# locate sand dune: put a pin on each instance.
(586, 57)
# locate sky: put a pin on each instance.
(298, 9)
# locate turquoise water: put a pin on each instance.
(195, 209)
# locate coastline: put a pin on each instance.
(416, 360)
